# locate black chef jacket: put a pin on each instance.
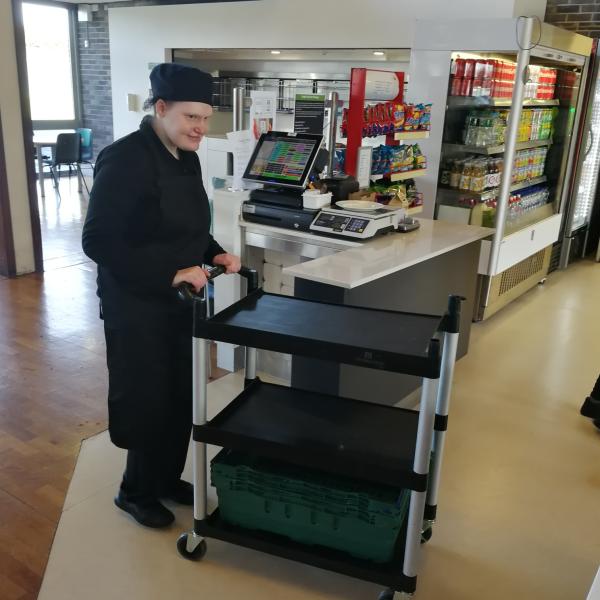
(140, 233)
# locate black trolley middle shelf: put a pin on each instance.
(338, 435)
(362, 440)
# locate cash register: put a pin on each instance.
(283, 162)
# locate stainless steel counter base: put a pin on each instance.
(423, 288)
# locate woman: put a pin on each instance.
(147, 228)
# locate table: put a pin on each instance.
(46, 138)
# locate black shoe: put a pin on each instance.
(182, 493)
(597, 423)
(150, 513)
(591, 408)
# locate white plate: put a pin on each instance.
(358, 205)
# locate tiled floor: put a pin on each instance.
(61, 220)
(518, 501)
(53, 387)
(52, 392)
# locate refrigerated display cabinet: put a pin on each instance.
(575, 239)
(508, 94)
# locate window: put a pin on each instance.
(50, 62)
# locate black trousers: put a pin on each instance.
(150, 404)
(591, 405)
(596, 391)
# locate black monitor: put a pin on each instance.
(283, 159)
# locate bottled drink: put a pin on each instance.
(455, 174)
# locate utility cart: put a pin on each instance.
(335, 436)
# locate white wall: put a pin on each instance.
(139, 35)
(14, 149)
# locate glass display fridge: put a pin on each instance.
(575, 241)
(507, 98)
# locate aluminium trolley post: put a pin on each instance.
(450, 328)
(426, 347)
(194, 544)
(433, 422)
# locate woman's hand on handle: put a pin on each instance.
(231, 262)
(195, 276)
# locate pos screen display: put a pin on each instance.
(283, 158)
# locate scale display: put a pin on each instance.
(347, 224)
(341, 223)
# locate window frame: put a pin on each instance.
(73, 44)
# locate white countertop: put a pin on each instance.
(368, 261)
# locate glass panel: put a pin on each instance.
(588, 179)
(48, 49)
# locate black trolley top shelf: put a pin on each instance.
(378, 339)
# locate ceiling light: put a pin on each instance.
(275, 51)
(378, 53)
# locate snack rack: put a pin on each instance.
(365, 441)
(370, 85)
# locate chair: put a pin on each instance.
(66, 152)
(86, 152)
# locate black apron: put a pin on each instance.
(150, 367)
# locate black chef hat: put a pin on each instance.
(171, 81)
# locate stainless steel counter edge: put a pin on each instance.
(354, 264)
(300, 243)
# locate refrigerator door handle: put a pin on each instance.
(591, 142)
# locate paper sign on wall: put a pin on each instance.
(263, 112)
(363, 166)
(242, 145)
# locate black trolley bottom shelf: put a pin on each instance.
(386, 574)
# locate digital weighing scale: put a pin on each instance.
(354, 224)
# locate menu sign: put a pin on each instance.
(309, 113)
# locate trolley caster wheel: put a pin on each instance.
(426, 535)
(182, 547)
(388, 594)
(542, 281)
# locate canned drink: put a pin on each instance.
(455, 85)
(466, 87)
(469, 68)
(459, 67)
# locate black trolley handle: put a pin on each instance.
(187, 293)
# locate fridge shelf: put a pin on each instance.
(488, 150)
(493, 193)
(387, 574)
(365, 441)
(483, 102)
(376, 339)
(411, 135)
(402, 176)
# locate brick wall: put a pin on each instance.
(574, 15)
(94, 67)
(94, 72)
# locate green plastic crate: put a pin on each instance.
(310, 507)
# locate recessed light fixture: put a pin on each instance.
(275, 51)
(378, 53)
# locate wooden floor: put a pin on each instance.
(53, 388)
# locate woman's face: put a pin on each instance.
(185, 123)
